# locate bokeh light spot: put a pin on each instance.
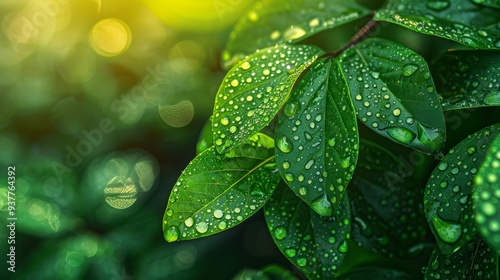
(177, 115)
(120, 192)
(110, 37)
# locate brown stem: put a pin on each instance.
(358, 37)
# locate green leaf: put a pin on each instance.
(468, 79)
(387, 212)
(270, 272)
(276, 21)
(253, 92)
(474, 260)
(488, 3)
(447, 198)
(214, 194)
(317, 138)
(458, 20)
(314, 244)
(486, 196)
(364, 273)
(393, 93)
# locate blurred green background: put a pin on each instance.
(101, 104)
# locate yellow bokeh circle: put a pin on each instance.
(110, 37)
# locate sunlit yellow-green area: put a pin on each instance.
(101, 103)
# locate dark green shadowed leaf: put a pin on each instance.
(276, 21)
(488, 3)
(213, 195)
(317, 138)
(447, 198)
(486, 196)
(462, 21)
(473, 261)
(393, 93)
(388, 216)
(253, 91)
(270, 272)
(375, 273)
(468, 79)
(314, 244)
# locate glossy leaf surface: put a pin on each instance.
(474, 261)
(462, 21)
(394, 95)
(486, 196)
(314, 244)
(468, 79)
(388, 216)
(447, 198)
(214, 194)
(253, 91)
(317, 138)
(276, 21)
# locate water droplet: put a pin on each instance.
(294, 33)
(343, 246)
(224, 121)
(396, 112)
(400, 134)
(345, 162)
(289, 177)
(471, 150)
(442, 166)
(222, 225)
(280, 233)
(303, 191)
(438, 5)
(308, 136)
(275, 35)
(172, 234)
(309, 164)
(492, 98)
(331, 142)
(202, 227)
(409, 69)
(235, 83)
(314, 22)
(447, 232)
(189, 222)
(245, 65)
(455, 170)
(170, 212)
(290, 252)
(291, 108)
(218, 213)
(284, 145)
(322, 206)
(302, 262)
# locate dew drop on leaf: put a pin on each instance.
(291, 108)
(302, 262)
(189, 222)
(172, 234)
(322, 206)
(343, 246)
(280, 233)
(202, 227)
(284, 145)
(400, 134)
(447, 232)
(409, 69)
(438, 5)
(291, 252)
(294, 33)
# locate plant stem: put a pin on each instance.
(358, 37)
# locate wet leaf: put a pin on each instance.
(458, 20)
(275, 22)
(447, 198)
(213, 195)
(468, 79)
(254, 90)
(488, 3)
(387, 211)
(270, 272)
(317, 138)
(486, 196)
(364, 273)
(314, 244)
(473, 261)
(393, 93)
